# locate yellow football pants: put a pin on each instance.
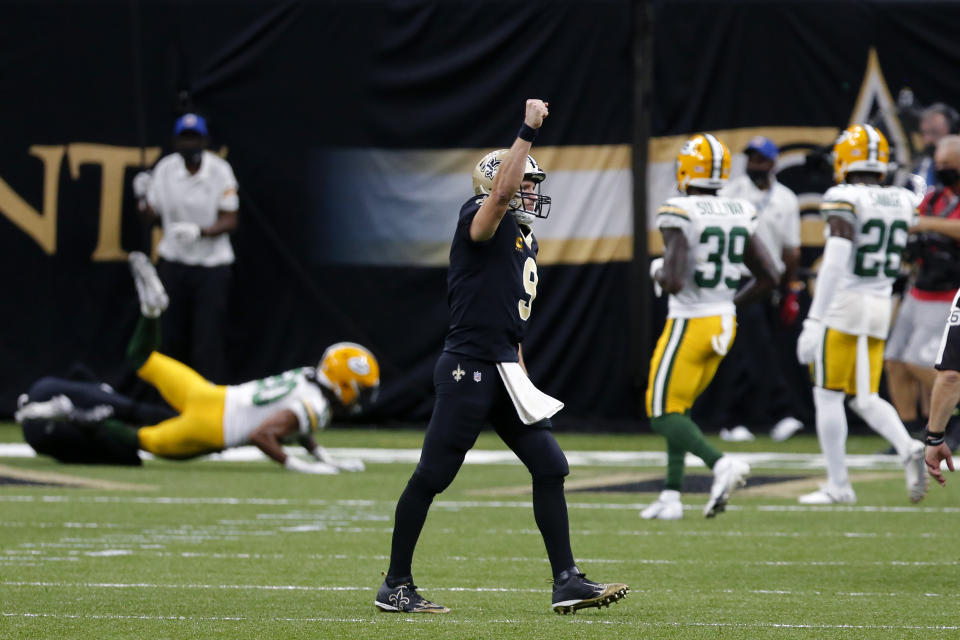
(836, 365)
(199, 427)
(683, 364)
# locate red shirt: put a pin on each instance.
(945, 200)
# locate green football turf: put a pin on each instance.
(235, 550)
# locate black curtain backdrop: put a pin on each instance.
(281, 80)
(725, 65)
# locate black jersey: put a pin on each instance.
(490, 288)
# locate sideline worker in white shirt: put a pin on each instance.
(193, 194)
(771, 396)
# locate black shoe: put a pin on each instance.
(404, 598)
(572, 591)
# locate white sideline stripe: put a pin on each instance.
(446, 621)
(575, 458)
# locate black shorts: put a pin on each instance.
(948, 356)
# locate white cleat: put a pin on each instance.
(153, 297)
(739, 433)
(785, 428)
(915, 468)
(829, 494)
(728, 474)
(666, 507)
(56, 408)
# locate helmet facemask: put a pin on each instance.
(531, 204)
(524, 207)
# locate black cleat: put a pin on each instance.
(572, 591)
(404, 598)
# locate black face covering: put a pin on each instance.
(192, 157)
(758, 175)
(948, 177)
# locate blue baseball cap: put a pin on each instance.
(764, 146)
(190, 122)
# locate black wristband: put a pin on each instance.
(933, 439)
(527, 133)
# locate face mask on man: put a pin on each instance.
(948, 177)
(192, 157)
(758, 175)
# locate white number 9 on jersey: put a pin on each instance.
(530, 280)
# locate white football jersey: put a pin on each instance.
(247, 405)
(881, 217)
(717, 231)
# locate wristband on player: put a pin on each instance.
(932, 439)
(527, 133)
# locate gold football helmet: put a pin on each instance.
(351, 372)
(704, 161)
(486, 171)
(860, 147)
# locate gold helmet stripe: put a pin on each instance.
(716, 155)
(873, 142)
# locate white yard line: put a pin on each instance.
(74, 554)
(447, 621)
(443, 504)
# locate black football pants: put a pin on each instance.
(71, 442)
(194, 325)
(470, 394)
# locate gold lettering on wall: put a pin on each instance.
(42, 227)
(113, 162)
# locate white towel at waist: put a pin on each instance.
(532, 404)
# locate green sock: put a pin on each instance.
(682, 433)
(119, 431)
(675, 460)
(145, 340)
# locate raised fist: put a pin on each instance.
(536, 112)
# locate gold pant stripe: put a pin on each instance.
(663, 358)
(199, 427)
(836, 367)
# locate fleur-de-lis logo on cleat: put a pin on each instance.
(398, 599)
(458, 373)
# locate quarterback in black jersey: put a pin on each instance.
(480, 376)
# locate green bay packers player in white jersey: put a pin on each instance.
(708, 240)
(289, 407)
(845, 330)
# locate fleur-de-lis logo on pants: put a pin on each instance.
(458, 373)
(398, 599)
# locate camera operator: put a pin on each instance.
(936, 121)
(934, 248)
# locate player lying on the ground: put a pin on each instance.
(267, 413)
